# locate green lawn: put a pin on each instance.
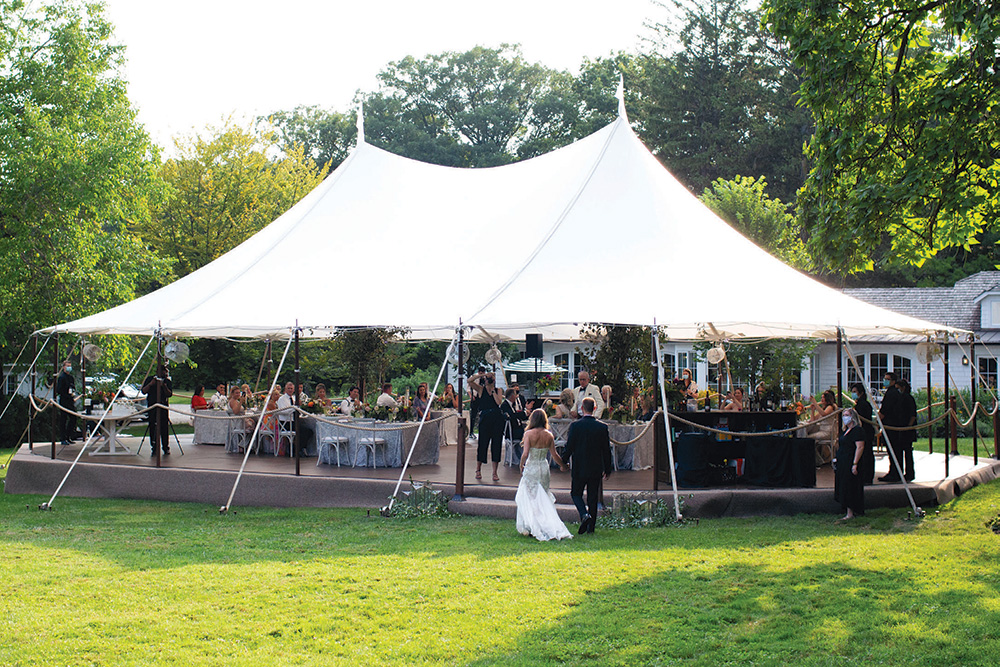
(97, 582)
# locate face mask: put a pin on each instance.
(854, 395)
(687, 376)
(886, 383)
(69, 369)
(847, 419)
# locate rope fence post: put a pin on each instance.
(954, 427)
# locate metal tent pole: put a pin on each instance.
(295, 423)
(462, 435)
(55, 377)
(975, 405)
(947, 408)
(31, 412)
(930, 406)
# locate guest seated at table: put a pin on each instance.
(198, 401)
(236, 406)
(648, 408)
(247, 396)
(385, 399)
(421, 401)
(606, 397)
(448, 398)
(352, 403)
(564, 408)
(736, 404)
(269, 424)
(825, 431)
(321, 395)
(220, 399)
(303, 396)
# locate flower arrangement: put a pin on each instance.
(549, 407)
(312, 406)
(381, 413)
(549, 383)
(620, 413)
(403, 414)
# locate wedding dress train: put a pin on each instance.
(536, 506)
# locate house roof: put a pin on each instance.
(954, 306)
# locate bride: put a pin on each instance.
(536, 506)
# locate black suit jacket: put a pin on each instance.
(589, 445)
(515, 418)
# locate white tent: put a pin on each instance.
(597, 231)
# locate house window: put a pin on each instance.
(988, 372)
(901, 366)
(877, 368)
(669, 367)
(994, 314)
(686, 360)
(562, 361)
(852, 373)
(814, 374)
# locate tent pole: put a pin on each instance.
(31, 412)
(930, 407)
(159, 392)
(666, 425)
(885, 434)
(840, 368)
(947, 407)
(256, 431)
(975, 406)
(55, 376)
(462, 434)
(656, 361)
(296, 448)
(423, 419)
(97, 426)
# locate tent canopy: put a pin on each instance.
(597, 231)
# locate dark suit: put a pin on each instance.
(589, 447)
(65, 386)
(159, 418)
(892, 413)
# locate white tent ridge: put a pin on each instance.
(597, 231)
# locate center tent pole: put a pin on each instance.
(462, 434)
(885, 434)
(159, 394)
(55, 377)
(666, 425)
(256, 430)
(298, 401)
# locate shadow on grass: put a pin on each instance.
(149, 534)
(748, 614)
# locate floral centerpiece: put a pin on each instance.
(381, 413)
(312, 406)
(620, 414)
(549, 383)
(403, 414)
(549, 407)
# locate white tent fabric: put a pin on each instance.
(597, 231)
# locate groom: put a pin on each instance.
(588, 444)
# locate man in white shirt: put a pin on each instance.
(220, 399)
(352, 402)
(286, 402)
(303, 396)
(385, 399)
(586, 390)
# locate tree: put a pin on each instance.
(904, 96)
(618, 356)
(76, 169)
(777, 364)
(743, 203)
(225, 188)
(325, 136)
(717, 97)
(479, 108)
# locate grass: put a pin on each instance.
(135, 583)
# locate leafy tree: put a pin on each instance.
(365, 352)
(482, 107)
(717, 97)
(904, 97)
(325, 136)
(76, 169)
(777, 364)
(225, 189)
(618, 356)
(743, 203)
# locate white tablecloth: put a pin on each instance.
(209, 431)
(392, 455)
(636, 456)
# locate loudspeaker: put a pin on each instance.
(533, 346)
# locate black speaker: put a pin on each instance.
(533, 346)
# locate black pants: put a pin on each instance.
(593, 487)
(491, 423)
(67, 422)
(159, 437)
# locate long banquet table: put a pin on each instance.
(398, 439)
(635, 456)
(209, 429)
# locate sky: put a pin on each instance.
(192, 63)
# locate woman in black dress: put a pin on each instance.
(864, 410)
(848, 489)
(491, 424)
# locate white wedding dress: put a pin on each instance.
(536, 506)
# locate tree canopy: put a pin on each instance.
(904, 97)
(76, 169)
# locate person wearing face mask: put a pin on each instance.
(687, 384)
(891, 413)
(864, 410)
(66, 393)
(848, 489)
